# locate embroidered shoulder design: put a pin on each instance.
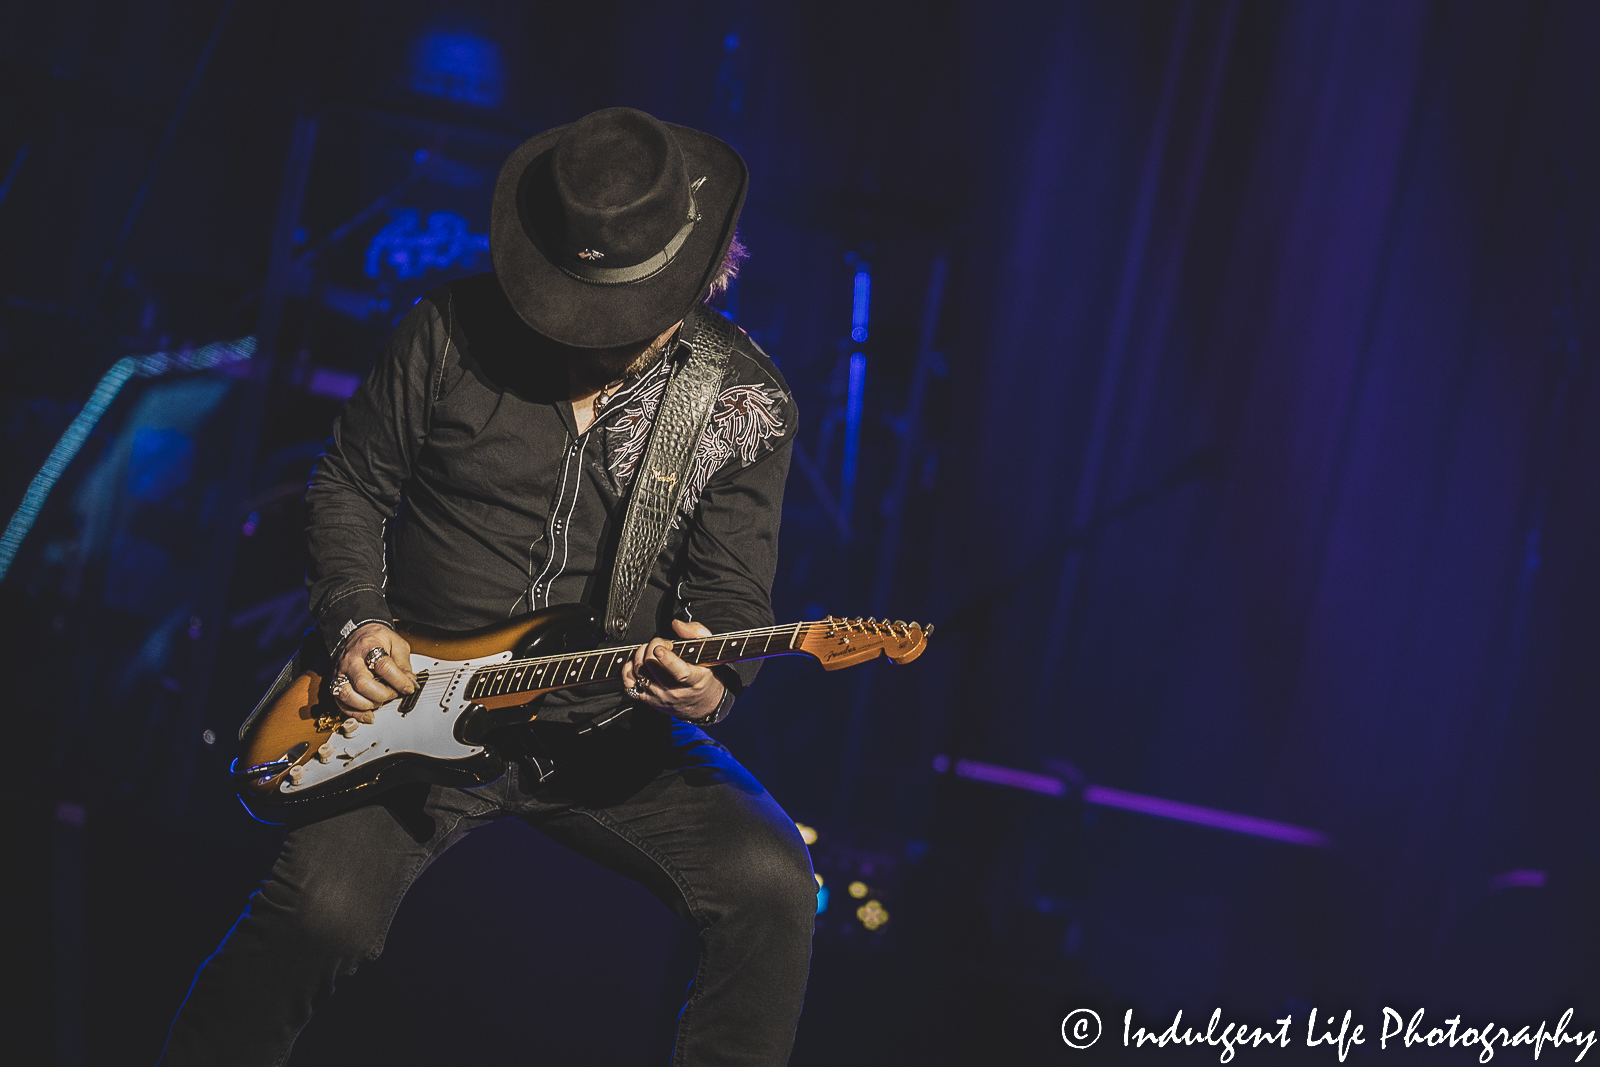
(744, 419)
(631, 430)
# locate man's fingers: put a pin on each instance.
(690, 629)
(392, 674)
(676, 669)
(632, 675)
(400, 654)
(352, 701)
(371, 688)
(633, 670)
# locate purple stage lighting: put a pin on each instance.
(1518, 880)
(1193, 813)
(994, 774)
(1105, 797)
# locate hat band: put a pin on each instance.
(597, 275)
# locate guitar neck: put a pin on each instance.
(543, 673)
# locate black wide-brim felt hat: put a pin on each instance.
(605, 232)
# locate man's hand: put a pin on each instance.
(390, 675)
(665, 682)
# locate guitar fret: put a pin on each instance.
(557, 672)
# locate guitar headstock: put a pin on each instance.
(845, 642)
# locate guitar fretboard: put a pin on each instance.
(605, 664)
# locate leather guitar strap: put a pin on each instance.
(663, 473)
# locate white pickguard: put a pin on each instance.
(428, 729)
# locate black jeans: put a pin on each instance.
(656, 800)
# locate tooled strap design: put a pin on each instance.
(662, 476)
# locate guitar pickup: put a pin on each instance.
(410, 702)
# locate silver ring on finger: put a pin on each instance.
(374, 655)
(339, 682)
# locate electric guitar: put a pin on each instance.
(302, 757)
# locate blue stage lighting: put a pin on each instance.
(860, 305)
(458, 65)
(852, 432)
(413, 249)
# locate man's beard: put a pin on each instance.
(602, 366)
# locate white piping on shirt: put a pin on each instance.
(616, 404)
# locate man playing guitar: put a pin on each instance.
(485, 469)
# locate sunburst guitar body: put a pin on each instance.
(303, 758)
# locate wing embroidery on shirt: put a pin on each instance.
(744, 419)
(631, 432)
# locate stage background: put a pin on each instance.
(1227, 396)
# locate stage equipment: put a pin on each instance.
(1103, 796)
(859, 879)
(151, 366)
(303, 757)
(908, 454)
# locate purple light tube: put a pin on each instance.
(1212, 817)
(1103, 796)
(994, 774)
(1516, 879)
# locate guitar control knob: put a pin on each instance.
(348, 727)
(325, 753)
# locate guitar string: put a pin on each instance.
(498, 671)
(739, 635)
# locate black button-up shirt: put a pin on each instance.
(457, 491)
